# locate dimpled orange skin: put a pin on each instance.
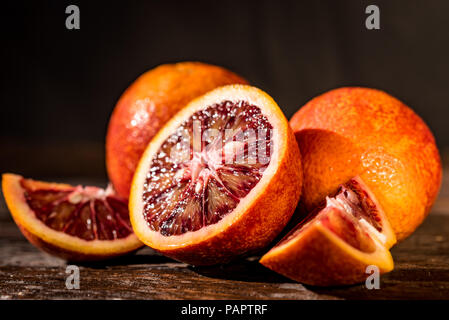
(359, 131)
(147, 105)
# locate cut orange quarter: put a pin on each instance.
(338, 243)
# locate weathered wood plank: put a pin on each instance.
(422, 271)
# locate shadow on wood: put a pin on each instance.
(249, 270)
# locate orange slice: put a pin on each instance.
(219, 180)
(71, 222)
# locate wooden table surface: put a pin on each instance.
(421, 272)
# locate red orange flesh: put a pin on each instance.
(74, 223)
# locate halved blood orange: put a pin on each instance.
(72, 222)
(336, 243)
(219, 180)
(147, 104)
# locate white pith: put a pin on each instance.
(86, 194)
(210, 157)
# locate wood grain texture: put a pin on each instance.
(421, 272)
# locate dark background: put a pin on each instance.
(59, 86)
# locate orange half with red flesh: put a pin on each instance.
(234, 191)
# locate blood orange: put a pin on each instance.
(72, 222)
(360, 131)
(338, 241)
(147, 105)
(221, 179)
(367, 133)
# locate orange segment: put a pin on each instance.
(318, 256)
(205, 187)
(336, 245)
(74, 223)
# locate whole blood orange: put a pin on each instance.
(359, 131)
(74, 223)
(147, 105)
(221, 179)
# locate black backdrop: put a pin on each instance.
(59, 86)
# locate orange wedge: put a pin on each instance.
(71, 222)
(337, 243)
